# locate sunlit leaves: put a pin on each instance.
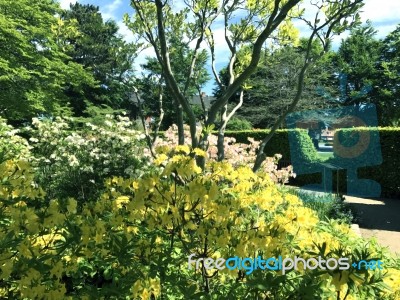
(34, 70)
(288, 34)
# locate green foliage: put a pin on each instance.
(369, 69)
(363, 70)
(302, 145)
(386, 173)
(274, 84)
(151, 85)
(238, 124)
(389, 79)
(98, 114)
(34, 70)
(324, 156)
(99, 48)
(357, 61)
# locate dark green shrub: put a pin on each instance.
(385, 171)
(238, 124)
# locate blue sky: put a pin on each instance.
(384, 15)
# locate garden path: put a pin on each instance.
(379, 218)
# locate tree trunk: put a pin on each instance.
(300, 83)
(221, 134)
(179, 120)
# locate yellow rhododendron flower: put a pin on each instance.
(160, 159)
(199, 152)
(182, 148)
(121, 200)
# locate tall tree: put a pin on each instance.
(273, 85)
(101, 49)
(34, 70)
(358, 66)
(180, 61)
(389, 80)
(247, 24)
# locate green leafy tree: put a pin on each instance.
(247, 27)
(180, 56)
(273, 86)
(358, 65)
(34, 70)
(389, 80)
(101, 49)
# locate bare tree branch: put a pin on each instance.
(274, 21)
(161, 117)
(170, 77)
(212, 50)
(146, 131)
(332, 21)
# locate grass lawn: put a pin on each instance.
(325, 155)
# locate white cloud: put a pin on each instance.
(125, 32)
(65, 3)
(378, 10)
(384, 15)
(109, 10)
(109, 13)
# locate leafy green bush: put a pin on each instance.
(238, 124)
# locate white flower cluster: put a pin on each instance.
(89, 153)
(12, 145)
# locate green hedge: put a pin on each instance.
(385, 173)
